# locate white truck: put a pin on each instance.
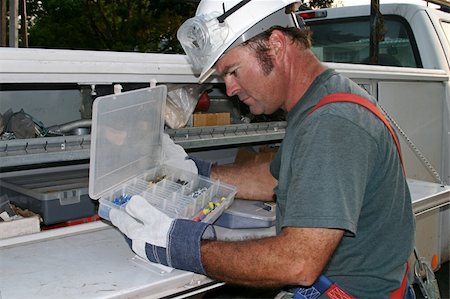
(49, 173)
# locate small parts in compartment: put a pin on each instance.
(198, 192)
(156, 180)
(122, 199)
(181, 182)
(211, 206)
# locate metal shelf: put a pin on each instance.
(201, 137)
(19, 152)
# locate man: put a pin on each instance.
(343, 205)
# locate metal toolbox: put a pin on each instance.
(431, 208)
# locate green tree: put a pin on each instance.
(138, 25)
(61, 24)
(316, 4)
(120, 25)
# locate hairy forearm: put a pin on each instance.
(232, 263)
(295, 257)
(253, 180)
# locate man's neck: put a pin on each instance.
(304, 68)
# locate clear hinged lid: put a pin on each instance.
(125, 137)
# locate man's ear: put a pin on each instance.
(278, 43)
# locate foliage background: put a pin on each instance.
(118, 25)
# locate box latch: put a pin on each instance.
(69, 197)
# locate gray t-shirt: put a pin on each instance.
(339, 168)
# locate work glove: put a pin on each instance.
(156, 237)
(175, 156)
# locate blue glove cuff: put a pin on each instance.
(183, 248)
(203, 166)
(184, 244)
(155, 254)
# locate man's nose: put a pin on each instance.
(232, 87)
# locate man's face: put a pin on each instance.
(244, 77)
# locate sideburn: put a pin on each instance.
(265, 61)
(262, 54)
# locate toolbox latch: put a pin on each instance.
(69, 197)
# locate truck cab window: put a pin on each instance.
(347, 41)
(446, 28)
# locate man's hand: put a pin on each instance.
(157, 238)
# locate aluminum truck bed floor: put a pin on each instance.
(95, 263)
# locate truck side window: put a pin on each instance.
(347, 41)
(446, 28)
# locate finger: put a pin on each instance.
(125, 223)
(171, 149)
(139, 208)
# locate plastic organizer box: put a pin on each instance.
(177, 193)
(126, 160)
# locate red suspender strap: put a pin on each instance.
(400, 292)
(353, 98)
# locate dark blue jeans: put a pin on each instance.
(409, 293)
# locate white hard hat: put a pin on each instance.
(220, 25)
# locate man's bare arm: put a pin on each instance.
(253, 180)
(295, 257)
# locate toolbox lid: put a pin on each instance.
(125, 137)
(248, 214)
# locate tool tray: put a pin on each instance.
(57, 195)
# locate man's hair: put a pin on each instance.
(259, 43)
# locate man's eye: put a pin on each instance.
(233, 72)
